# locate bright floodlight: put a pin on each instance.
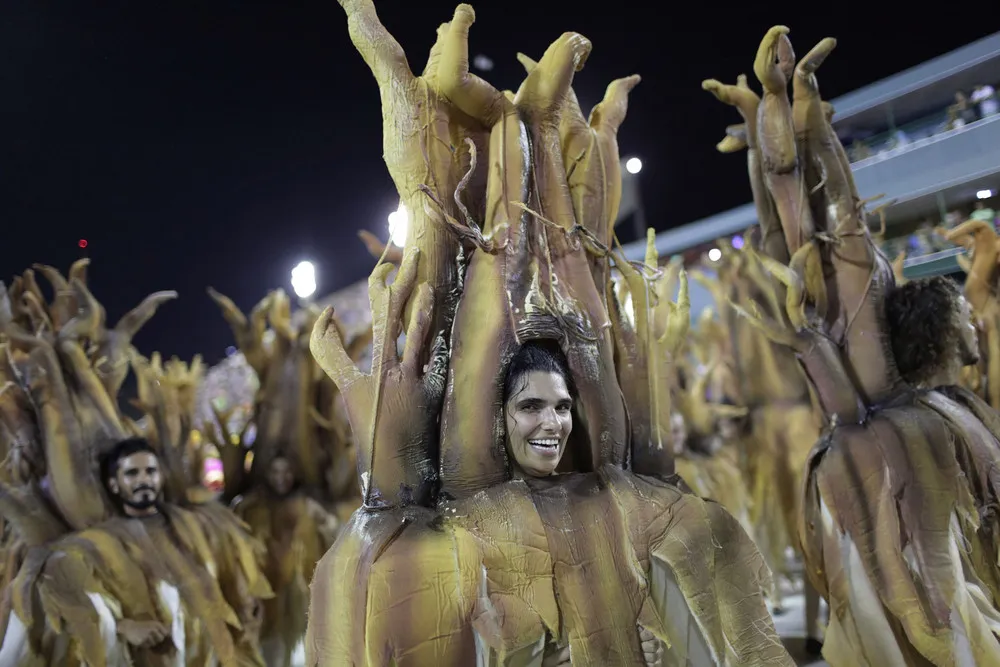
(984, 194)
(715, 254)
(633, 165)
(304, 280)
(399, 220)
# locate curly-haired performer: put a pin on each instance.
(932, 333)
(896, 526)
(933, 339)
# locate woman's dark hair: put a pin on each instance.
(923, 326)
(123, 449)
(543, 356)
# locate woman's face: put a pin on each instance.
(539, 421)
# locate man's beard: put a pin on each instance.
(143, 504)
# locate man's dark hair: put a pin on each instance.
(924, 326)
(544, 356)
(123, 449)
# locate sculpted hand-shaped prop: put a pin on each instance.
(393, 409)
(232, 448)
(857, 274)
(167, 394)
(425, 145)
(816, 352)
(248, 331)
(511, 292)
(645, 360)
(573, 296)
(590, 156)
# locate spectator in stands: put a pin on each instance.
(985, 97)
(921, 242)
(984, 213)
(964, 113)
(953, 219)
(859, 151)
(899, 140)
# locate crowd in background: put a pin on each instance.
(924, 238)
(982, 102)
(927, 239)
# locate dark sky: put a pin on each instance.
(218, 142)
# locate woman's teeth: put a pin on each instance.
(547, 444)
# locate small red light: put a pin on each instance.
(82, 243)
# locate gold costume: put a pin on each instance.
(297, 416)
(890, 524)
(76, 569)
(450, 561)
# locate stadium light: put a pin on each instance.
(399, 220)
(633, 165)
(984, 194)
(304, 280)
(714, 254)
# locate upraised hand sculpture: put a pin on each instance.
(395, 405)
(646, 346)
(590, 157)
(167, 396)
(425, 146)
(303, 472)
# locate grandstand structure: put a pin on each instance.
(904, 144)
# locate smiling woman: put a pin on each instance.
(538, 404)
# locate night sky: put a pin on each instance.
(219, 142)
